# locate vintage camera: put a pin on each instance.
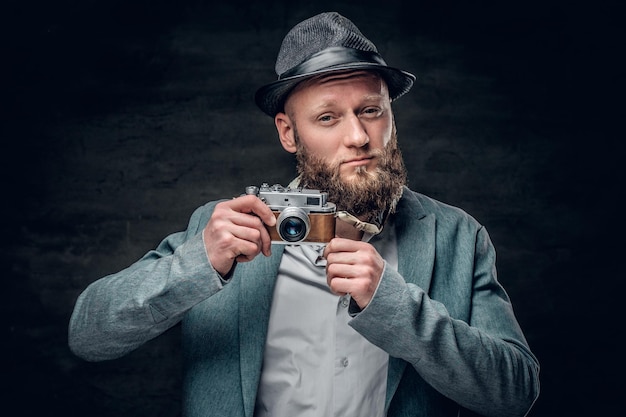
(302, 215)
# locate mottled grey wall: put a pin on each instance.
(120, 118)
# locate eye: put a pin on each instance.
(326, 119)
(372, 112)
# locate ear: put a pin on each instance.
(286, 132)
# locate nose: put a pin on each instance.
(355, 134)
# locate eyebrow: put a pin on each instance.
(374, 97)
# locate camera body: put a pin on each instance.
(302, 215)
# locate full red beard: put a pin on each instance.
(368, 194)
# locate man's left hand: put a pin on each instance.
(353, 267)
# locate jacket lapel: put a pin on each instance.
(257, 281)
(415, 231)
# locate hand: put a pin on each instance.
(353, 267)
(236, 232)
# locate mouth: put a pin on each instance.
(360, 161)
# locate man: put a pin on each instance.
(400, 314)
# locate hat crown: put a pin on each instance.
(316, 34)
(325, 43)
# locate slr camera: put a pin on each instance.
(302, 215)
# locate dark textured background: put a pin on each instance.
(121, 117)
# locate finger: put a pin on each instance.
(224, 249)
(348, 258)
(353, 286)
(258, 235)
(253, 205)
(248, 233)
(254, 223)
(337, 245)
(360, 290)
(339, 286)
(347, 271)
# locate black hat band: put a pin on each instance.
(332, 57)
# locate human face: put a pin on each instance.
(343, 119)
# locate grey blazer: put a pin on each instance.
(444, 319)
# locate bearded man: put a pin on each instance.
(400, 314)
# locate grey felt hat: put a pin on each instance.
(323, 43)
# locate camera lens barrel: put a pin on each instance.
(293, 224)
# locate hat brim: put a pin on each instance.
(271, 97)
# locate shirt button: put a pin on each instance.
(345, 301)
(345, 362)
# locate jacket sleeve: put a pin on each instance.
(482, 363)
(116, 314)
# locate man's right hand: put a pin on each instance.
(236, 232)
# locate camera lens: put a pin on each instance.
(293, 224)
(292, 229)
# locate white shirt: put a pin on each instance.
(315, 364)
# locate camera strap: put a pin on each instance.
(359, 224)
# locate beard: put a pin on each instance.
(369, 195)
